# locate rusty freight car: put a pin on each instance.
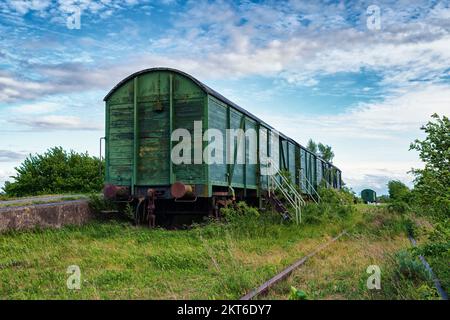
(145, 109)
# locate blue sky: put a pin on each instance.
(312, 69)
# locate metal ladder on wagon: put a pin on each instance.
(314, 195)
(277, 181)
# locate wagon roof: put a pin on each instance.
(213, 93)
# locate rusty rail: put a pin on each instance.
(286, 272)
(437, 283)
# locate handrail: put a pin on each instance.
(285, 186)
(292, 201)
(286, 181)
(310, 184)
(285, 193)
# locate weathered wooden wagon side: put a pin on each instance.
(142, 112)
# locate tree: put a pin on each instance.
(398, 191)
(56, 171)
(432, 184)
(325, 152)
(312, 146)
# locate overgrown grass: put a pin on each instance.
(217, 260)
(379, 237)
(434, 245)
(117, 260)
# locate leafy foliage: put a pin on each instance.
(241, 209)
(432, 184)
(98, 203)
(324, 151)
(398, 191)
(437, 251)
(399, 206)
(399, 197)
(410, 267)
(312, 146)
(296, 294)
(334, 204)
(56, 171)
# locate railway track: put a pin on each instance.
(286, 272)
(437, 283)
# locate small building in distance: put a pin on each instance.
(369, 196)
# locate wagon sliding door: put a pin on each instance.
(119, 133)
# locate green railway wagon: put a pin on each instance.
(145, 110)
(369, 196)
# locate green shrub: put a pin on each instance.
(238, 210)
(409, 267)
(437, 251)
(56, 171)
(296, 294)
(432, 183)
(398, 191)
(427, 293)
(399, 207)
(334, 204)
(98, 203)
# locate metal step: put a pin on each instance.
(294, 199)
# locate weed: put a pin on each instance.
(399, 206)
(98, 203)
(410, 268)
(297, 294)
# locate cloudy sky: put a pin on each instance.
(330, 70)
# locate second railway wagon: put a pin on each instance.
(145, 108)
(369, 196)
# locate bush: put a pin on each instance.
(398, 191)
(399, 207)
(296, 294)
(334, 204)
(243, 220)
(409, 267)
(432, 183)
(98, 203)
(437, 251)
(56, 171)
(241, 209)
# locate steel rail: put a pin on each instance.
(286, 272)
(436, 282)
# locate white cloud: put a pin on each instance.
(5, 175)
(8, 155)
(265, 40)
(58, 122)
(296, 42)
(24, 6)
(43, 7)
(372, 140)
(397, 115)
(36, 108)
